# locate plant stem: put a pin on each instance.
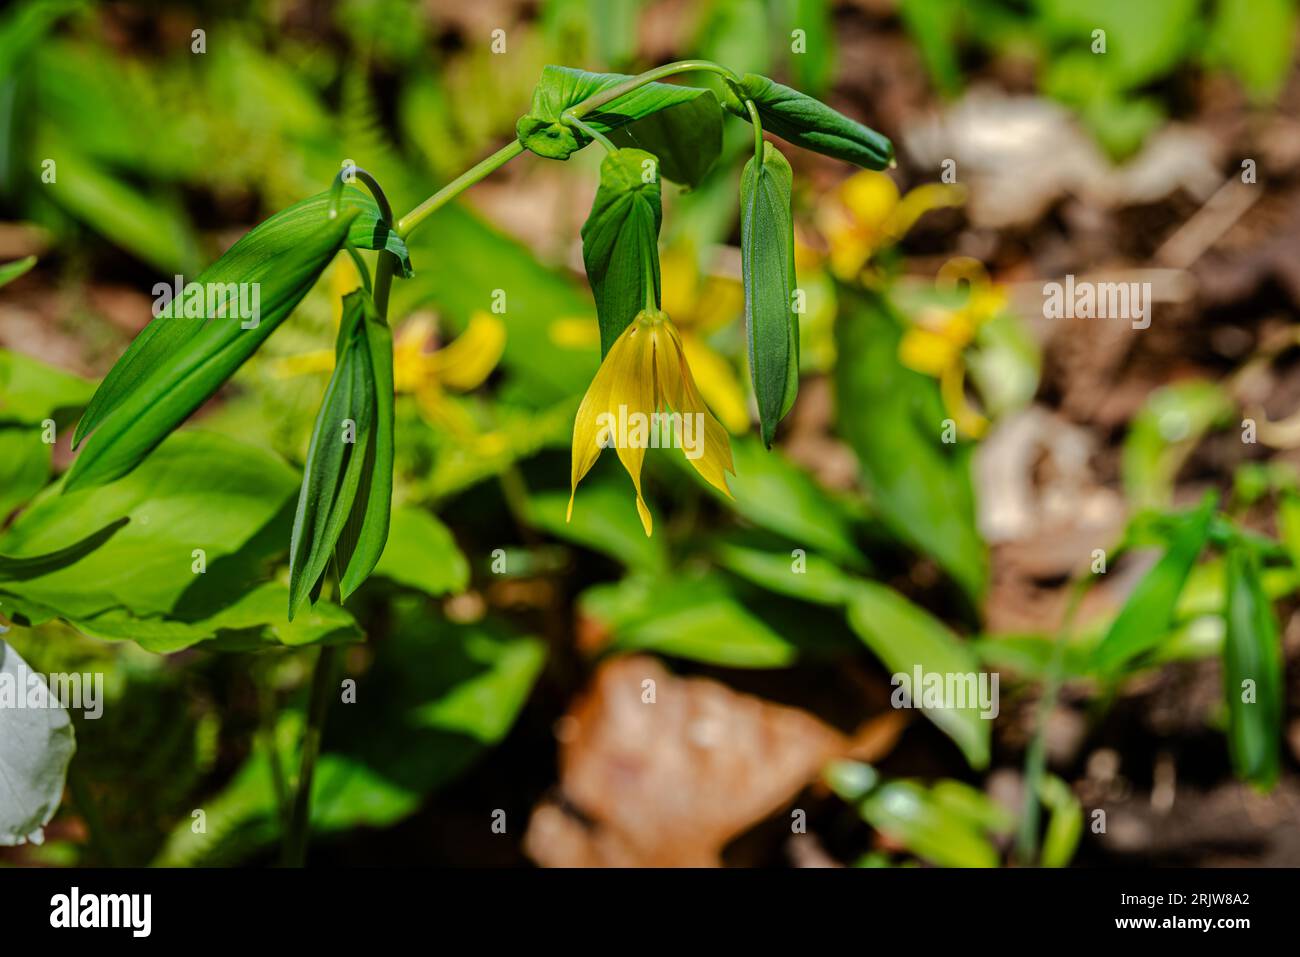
(457, 186)
(754, 118)
(295, 845)
(589, 130)
(597, 100)
(1036, 755)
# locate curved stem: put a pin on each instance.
(597, 100)
(588, 130)
(457, 186)
(1036, 755)
(372, 184)
(754, 118)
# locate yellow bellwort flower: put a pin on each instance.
(644, 373)
(867, 214)
(699, 304)
(935, 344)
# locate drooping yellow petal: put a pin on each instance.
(917, 203)
(952, 386)
(718, 383)
(589, 432)
(630, 395)
(678, 388)
(465, 362)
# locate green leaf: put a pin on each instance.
(336, 465)
(697, 618)
(414, 729)
(1162, 436)
(542, 131)
(907, 813)
(32, 391)
(934, 25)
(905, 637)
(604, 519)
(11, 271)
(1288, 524)
(814, 68)
(25, 463)
(893, 417)
(196, 492)
(34, 566)
(805, 577)
(421, 554)
(807, 122)
(1064, 822)
(1252, 673)
(1149, 611)
(767, 264)
(686, 138)
(620, 241)
(36, 746)
(362, 541)
(774, 493)
(1253, 38)
(176, 363)
(251, 621)
(151, 225)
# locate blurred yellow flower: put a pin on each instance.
(935, 343)
(645, 372)
(866, 214)
(420, 368)
(700, 304)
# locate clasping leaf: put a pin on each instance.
(767, 260)
(620, 240)
(804, 121)
(347, 479)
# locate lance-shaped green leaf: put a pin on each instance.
(204, 334)
(686, 138)
(194, 345)
(34, 566)
(891, 414)
(366, 532)
(620, 241)
(804, 121)
(338, 457)
(543, 131)
(907, 638)
(767, 261)
(1252, 672)
(1147, 615)
(11, 271)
